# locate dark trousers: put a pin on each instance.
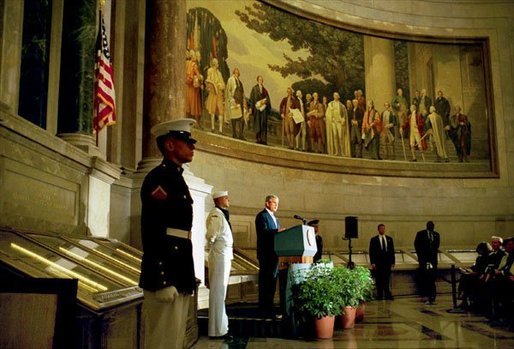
(382, 278)
(267, 283)
(282, 289)
(469, 285)
(238, 126)
(426, 282)
(501, 290)
(260, 127)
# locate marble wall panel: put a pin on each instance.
(33, 199)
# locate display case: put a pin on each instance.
(463, 257)
(104, 280)
(108, 312)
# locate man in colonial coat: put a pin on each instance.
(260, 105)
(371, 128)
(289, 127)
(214, 102)
(414, 124)
(234, 104)
(460, 133)
(435, 126)
(317, 124)
(337, 116)
(194, 83)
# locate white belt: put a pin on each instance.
(179, 233)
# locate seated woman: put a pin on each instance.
(471, 277)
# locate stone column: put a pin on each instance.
(165, 78)
(164, 100)
(379, 68)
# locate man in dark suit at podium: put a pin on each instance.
(427, 247)
(382, 258)
(266, 226)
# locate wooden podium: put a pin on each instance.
(295, 245)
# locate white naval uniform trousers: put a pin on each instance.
(220, 241)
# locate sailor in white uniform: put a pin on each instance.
(220, 241)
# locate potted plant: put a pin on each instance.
(356, 286)
(365, 284)
(318, 296)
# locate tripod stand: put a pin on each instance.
(350, 264)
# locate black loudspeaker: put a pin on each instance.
(351, 230)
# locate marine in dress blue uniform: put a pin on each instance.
(167, 268)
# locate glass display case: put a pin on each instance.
(243, 263)
(463, 257)
(105, 277)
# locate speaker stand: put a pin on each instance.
(350, 265)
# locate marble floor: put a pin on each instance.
(403, 323)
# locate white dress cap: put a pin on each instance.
(179, 128)
(219, 194)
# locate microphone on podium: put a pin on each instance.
(304, 221)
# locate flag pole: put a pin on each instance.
(101, 3)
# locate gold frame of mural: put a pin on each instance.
(280, 156)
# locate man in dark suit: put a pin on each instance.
(427, 247)
(382, 258)
(266, 226)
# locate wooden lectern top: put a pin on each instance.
(286, 261)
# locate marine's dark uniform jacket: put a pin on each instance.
(166, 203)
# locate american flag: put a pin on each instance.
(104, 113)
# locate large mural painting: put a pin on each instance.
(260, 74)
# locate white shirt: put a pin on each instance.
(383, 242)
(272, 217)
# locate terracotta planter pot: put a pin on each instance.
(348, 317)
(324, 327)
(359, 314)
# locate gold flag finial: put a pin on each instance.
(102, 4)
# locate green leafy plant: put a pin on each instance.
(365, 283)
(356, 285)
(324, 290)
(319, 293)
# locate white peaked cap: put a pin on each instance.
(178, 128)
(219, 194)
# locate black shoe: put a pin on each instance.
(390, 298)
(226, 337)
(498, 323)
(379, 298)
